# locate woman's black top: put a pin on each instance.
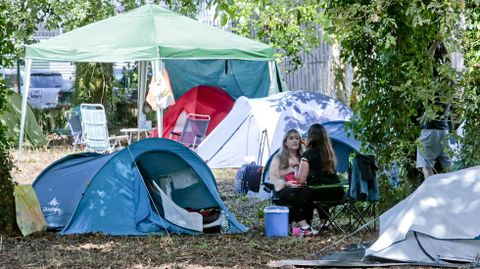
(316, 173)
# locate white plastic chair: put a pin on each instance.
(95, 131)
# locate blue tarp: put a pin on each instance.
(88, 193)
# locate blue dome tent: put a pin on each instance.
(143, 189)
(343, 143)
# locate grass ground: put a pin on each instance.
(250, 250)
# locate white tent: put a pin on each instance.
(438, 222)
(251, 122)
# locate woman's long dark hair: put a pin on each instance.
(319, 141)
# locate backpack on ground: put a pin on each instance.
(249, 175)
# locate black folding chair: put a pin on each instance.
(333, 210)
(359, 204)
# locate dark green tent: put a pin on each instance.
(11, 117)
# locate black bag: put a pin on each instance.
(248, 178)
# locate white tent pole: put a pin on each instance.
(155, 78)
(157, 73)
(272, 71)
(26, 89)
(141, 89)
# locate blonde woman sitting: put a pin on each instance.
(287, 188)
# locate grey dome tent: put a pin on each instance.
(255, 120)
(437, 223)
(151, 187)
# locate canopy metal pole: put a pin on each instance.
(157, 73)
(141, 89)
(26, 89)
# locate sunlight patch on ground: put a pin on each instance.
(105, 247)
(177, 265)
(224, 173)
(34, 161)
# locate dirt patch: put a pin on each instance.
(249, 250)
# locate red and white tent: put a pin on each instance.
(202, 99)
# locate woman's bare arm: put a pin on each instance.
(302, 172)
(274, 174)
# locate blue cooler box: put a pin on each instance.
(276, 221)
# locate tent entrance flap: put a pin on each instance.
(178, 215)
(176, 179)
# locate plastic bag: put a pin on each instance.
(29, 215)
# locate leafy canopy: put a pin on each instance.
(290, 26)
(470, 154)
(387, 43)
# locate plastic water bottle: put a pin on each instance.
(224, 225)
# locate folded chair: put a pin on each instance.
(95, 131)
(194, 130)
(60, 135)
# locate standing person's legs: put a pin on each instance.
(443, 158)
(431, 147)
(427, 171)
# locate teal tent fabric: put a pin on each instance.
(147, 33)
(237, 77)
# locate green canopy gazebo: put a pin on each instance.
(194, 53)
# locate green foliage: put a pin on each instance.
(391, 195)
(387, 44)
(287, 25)
(470, 154)
(94, 84)
(7, 205)
(49, 119)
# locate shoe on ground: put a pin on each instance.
(307, 232)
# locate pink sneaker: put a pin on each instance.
(296, 231)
